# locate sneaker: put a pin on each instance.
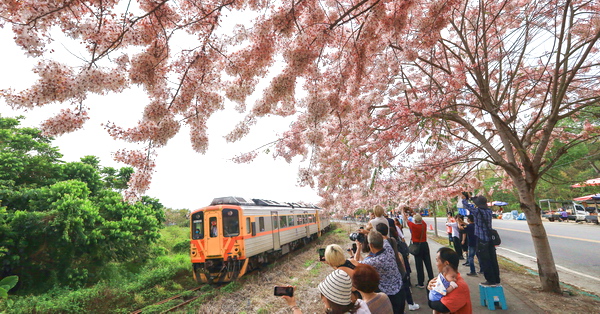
(466, 264)
(420, 286)
(472, 274)
(413, 307)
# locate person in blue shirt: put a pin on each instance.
(486, 251)
(471, 243)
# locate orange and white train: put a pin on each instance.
(233, 235)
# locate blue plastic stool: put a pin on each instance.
(488, 295)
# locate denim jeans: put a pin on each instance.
(471, 258)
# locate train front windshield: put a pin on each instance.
(198, 226)
(231, 223)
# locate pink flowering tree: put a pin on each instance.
(403, 98)
(512, 84)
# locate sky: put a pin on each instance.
(183, 178)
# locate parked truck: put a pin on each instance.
(551, 210)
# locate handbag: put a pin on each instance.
(415, 248)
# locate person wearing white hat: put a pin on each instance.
(336, 294)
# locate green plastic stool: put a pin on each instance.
(488, 295)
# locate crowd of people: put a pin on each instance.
(376, 277)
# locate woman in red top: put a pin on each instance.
(418, 231)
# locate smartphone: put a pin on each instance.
(280, 290)
(321, 254)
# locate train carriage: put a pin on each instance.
(233, 235)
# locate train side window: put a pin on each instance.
(282, 221)
(299, 220)
(291, 220)
(248, 226)
(261, 224)
(231, 224)
(198, 226)
(275, 223)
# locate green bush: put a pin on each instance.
(123, 288)
(172, 236)
(182, 247)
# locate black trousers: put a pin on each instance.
(458, 246)
(423, 258)
(398, 301)
(488, 261)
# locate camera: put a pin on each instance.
(353, 249)
(357, 236)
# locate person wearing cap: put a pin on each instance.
(486, 251)
(336, 295)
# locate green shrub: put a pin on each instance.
(119, 291)
(182, 247)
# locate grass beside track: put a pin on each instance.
(123, 287)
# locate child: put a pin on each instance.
(445, 284)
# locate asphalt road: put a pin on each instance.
(575, 247)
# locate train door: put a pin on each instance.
(275, 221)
(305, 221)
(215, 230)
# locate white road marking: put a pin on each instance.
(534, 259)
(565, 269)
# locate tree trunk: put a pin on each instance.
(545, 260)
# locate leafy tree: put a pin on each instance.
(26, 157)
(178, 217)
(83, 172)
(62, 227)
(92, 161)
(116, 180)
